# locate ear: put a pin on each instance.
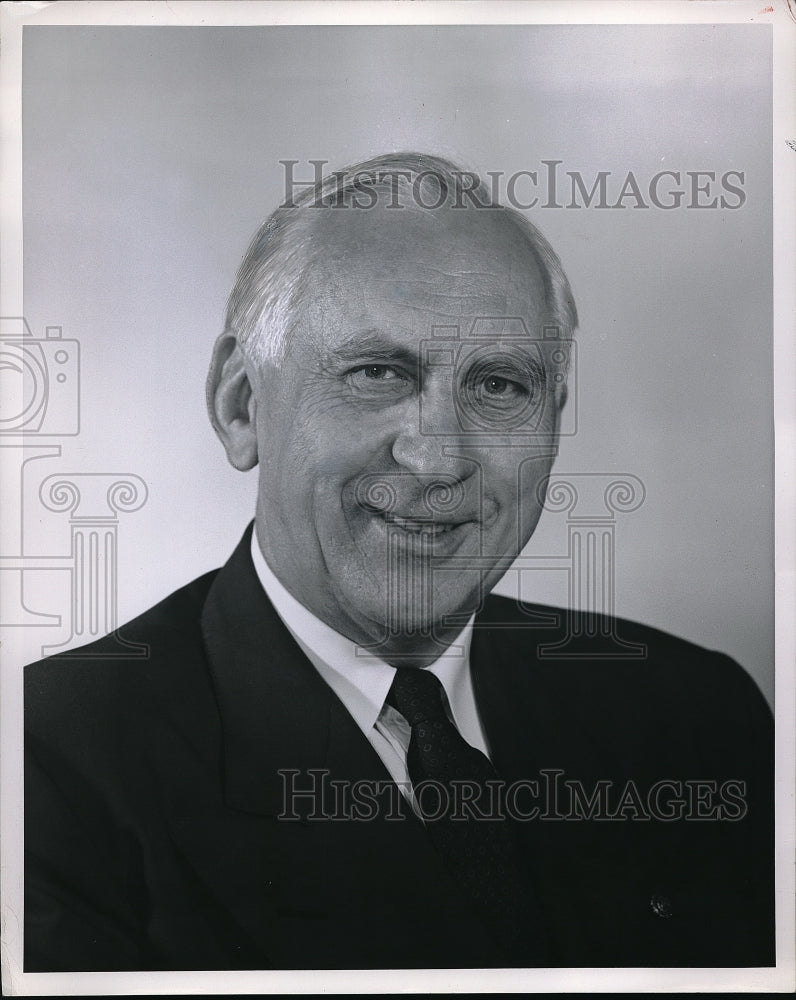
(231, 403)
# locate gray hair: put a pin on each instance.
(273, 276)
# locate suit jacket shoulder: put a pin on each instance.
(597, 660)
(160, 643)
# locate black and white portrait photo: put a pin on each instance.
(397, 497)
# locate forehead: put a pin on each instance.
(405, 270)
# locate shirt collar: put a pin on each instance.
(358, 678)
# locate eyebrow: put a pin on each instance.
(372, 344)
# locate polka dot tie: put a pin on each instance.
(457, 791)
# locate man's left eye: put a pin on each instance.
(498, 388)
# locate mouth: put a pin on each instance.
(424, 529)
(414, 526)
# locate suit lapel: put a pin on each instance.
(505, 677)
(502, 682)
(267, 690)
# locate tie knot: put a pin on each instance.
(417, 694)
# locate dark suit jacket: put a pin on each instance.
(153, 837)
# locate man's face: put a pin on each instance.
(399, 462)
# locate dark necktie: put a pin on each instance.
(450, 779)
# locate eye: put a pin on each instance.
(494, 385)
(377, 380)
(379, 373)
(498, 390)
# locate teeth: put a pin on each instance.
(419, 527)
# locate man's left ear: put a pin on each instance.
(231, 403)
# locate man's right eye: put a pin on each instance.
(376, 376)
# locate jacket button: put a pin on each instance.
(661, 906)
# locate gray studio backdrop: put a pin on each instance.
(152, 154)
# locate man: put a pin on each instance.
(341, 752)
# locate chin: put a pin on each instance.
(386, 618)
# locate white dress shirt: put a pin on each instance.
(361, 680)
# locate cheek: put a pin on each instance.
(515, 484)
(319, 473)
(333, 462)
(502, 474)
(348, 445)
(533, 487)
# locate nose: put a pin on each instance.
(431, 440)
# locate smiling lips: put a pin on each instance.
(417, 527)
(428, 525)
